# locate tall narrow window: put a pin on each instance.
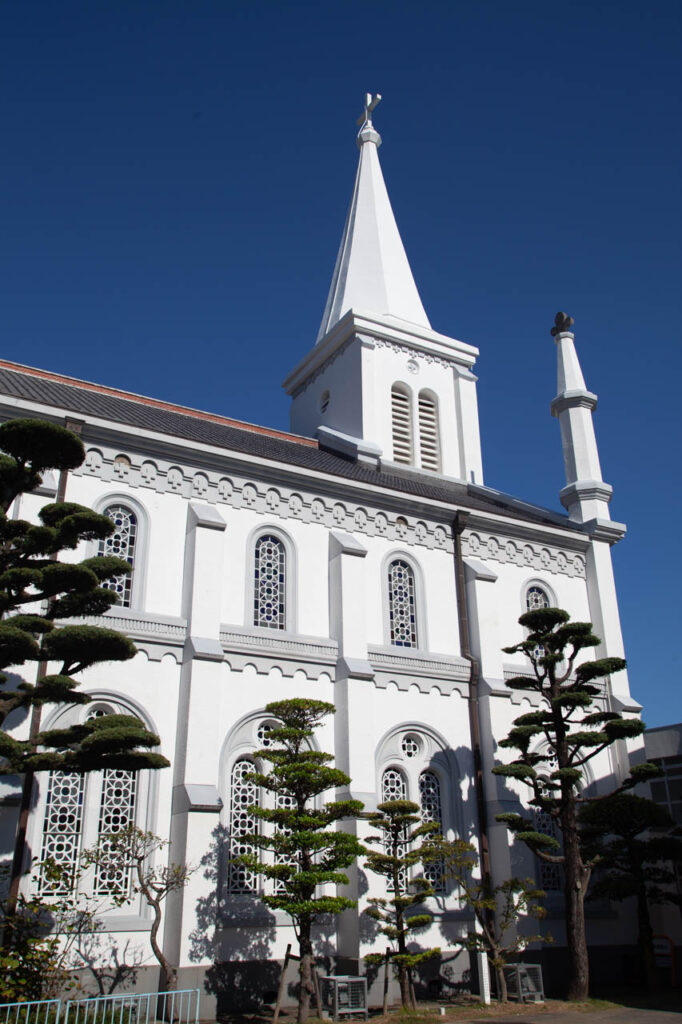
(122, 544)
(269, 588)
(429, 441)
(536, 597)
(62, 828)
(243, 796)
(430, 810)
(394, 787)
(402, 611)
(116, 814)
(286, 802)
(401, 421)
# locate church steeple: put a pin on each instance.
(380, 385)
(372, 273)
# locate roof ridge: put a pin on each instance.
(156, 403)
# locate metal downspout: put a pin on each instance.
(459, 525)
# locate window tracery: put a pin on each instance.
(243, 796)
(402, 612)
(116, 814)
(62, 829)
(269, 600)
(122, 544)
(431, 810)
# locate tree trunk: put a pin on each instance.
(645, 937)
(305, 971)
(575, 888)
(502, 995)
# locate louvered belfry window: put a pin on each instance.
(429, 441)
(401, 420)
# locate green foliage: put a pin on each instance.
(307, 848)
(43, 936)
(404, 845)
(554, 744)
(637, 847)
(33, 577)
(497, 909)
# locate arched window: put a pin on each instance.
(394, 787)
(243, 796)
(536, 597)
(402, 612)
(430, 810)
(401, 425)
(122, 544)
(82, 810)
(116, 814)
(429, 440)
(62, 828)
(269, 583)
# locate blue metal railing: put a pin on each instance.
(39, 1011)
(180, 1007)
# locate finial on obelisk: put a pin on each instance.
(370, 103)
(562, 322)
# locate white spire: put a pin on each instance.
(585, 495)
(372, 273)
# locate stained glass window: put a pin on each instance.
(116, 813)
(430, 810)
(62, 828)
(243, 796)
(401, 604)
(269, 598)
(536, 597)
(121, 544)
(285, 802)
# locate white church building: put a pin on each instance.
(360, 559)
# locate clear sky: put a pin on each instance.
(174, 180)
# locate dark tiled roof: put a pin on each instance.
(83, 400)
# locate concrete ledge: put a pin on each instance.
(205, 515)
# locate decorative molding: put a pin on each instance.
(541, 557)
(162, 476)
(426, 671)
(414, 353)
(323, 366)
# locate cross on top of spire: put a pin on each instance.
(370, 103)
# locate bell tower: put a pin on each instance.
(380, 385)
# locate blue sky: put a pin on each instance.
(175, 178)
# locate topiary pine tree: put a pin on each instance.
(308, 850)
(37, 591)
(31, 576)
(400, 828)
(638, 850)
(574, 733)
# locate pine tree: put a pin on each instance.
(573, 733)
(37, 592)
(400, 854)
(638, 851)
(308, 850)
(497, 909)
